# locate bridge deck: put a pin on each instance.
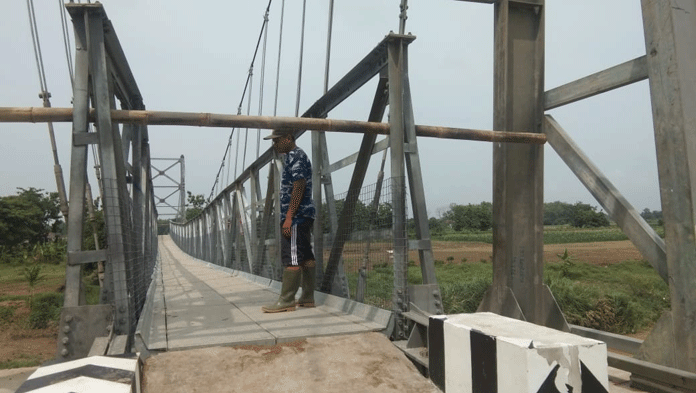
(197, 304)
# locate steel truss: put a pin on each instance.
(205, 238)
(102, 75)
(236, 232)
(179, 211)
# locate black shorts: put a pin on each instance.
(296, 250)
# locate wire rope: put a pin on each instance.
(236, 158)
(66, 41)
(328, 46)
(299, 73)
(280, 46)
(37, 46)
(239, 107)
(246, 134)
(262, 83)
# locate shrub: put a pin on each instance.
(463, 297)
(6, 314)
(45, 308)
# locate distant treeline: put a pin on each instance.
(457, 218)
(480, 217)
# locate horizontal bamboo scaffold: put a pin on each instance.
(160, 118)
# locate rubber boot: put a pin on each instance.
(309, 272)
(286, 300)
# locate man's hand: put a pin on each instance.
(287, 227)
(298, 188)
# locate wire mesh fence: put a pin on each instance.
(367, 253)
(368, 250)
(132, 252)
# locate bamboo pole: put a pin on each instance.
(43, 115)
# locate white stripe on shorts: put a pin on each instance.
(293, 246)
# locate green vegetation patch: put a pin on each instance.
(21, 361)
(622, 298)
(7, 314)
(552, 235)
(45, 308)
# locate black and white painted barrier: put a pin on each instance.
(488, 353)
(92, 374)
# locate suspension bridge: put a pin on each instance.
(203, 284)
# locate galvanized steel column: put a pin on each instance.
(74, 291)
(670, 33)
(113, 175)
(396, 52)
(518, 169)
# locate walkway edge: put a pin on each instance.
(142, 330)
(373, 314)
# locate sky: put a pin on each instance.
(195, 57)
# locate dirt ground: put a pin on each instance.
(598, 253)
(366, 362)
(18, 343)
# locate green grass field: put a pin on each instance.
(26, 312)
(622, 298)
(552, 235)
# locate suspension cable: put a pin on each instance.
(246, 134)
(37, 46)
(299, 73)
(241, 101)
(280, 46)
(45, 96)
(66, 41)
(328, 46)
(261, 84)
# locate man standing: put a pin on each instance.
(297, 214)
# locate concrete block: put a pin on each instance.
(91, 374)
(488, 353)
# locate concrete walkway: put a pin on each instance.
(197, 304)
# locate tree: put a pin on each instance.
(470, 217)
(558, 213)
(436, 226)
(28, 216)
(194, 205)
(163, 227)
(586, 216)
(651, 215)
(88, 231)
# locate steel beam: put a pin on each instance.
(670, 33)
(517, 289)
(649, 243)
(345, 222)
(241, 209)
(351, 159)
(266, 220)
(74, 290)
(623, 74)
(418, 204)
(255, 194)
(398, 180)
(113, 175)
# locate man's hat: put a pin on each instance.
(277, 134)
